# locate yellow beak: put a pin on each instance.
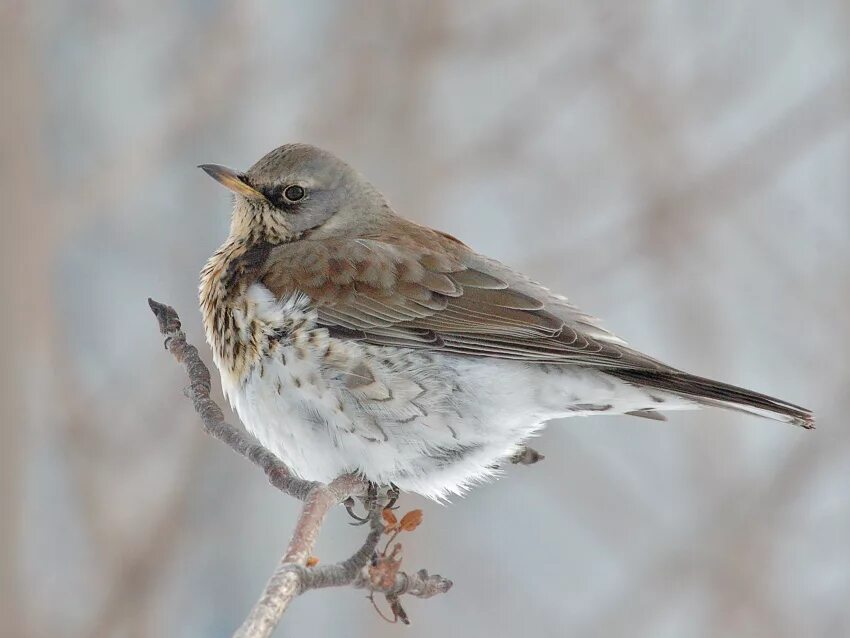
(231, 180)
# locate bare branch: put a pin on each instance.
(355, 572)
(285, 583)
(421, 584)
(347, 571)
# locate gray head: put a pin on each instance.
(295, 189)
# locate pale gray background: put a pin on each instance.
(678, 168)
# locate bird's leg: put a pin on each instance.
(526, 456)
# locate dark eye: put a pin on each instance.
(293, 193)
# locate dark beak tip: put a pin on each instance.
(231, 179)
(217, 171)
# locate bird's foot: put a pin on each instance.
(375, 496)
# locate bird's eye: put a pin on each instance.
(293, 193)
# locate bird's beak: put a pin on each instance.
(231, 180)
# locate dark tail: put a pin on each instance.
(715, 393)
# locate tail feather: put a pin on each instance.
(718, 394)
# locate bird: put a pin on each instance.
(352, 340)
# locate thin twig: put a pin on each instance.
(421, 584)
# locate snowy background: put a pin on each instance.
(678, 168)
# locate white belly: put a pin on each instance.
(441, 425)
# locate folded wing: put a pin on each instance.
(455, 301)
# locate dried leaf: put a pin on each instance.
(390, 521)
(312, 561)
(411, 520)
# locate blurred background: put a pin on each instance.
(678, 168)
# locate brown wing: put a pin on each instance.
(393, 292)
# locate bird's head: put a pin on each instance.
(298, 189)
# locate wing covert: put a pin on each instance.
(453, 300)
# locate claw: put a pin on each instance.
(349, 507)
(392, 494)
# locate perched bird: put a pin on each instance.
(350, 339)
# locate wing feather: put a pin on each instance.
(392, 291)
